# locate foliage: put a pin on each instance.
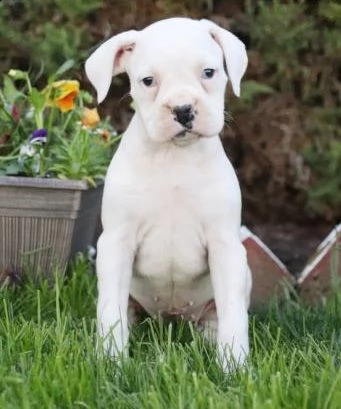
(323, 156)
(49, 132)
(300, 47)
(280, 32)
(325, 192)
(53, 31)
(251, 90)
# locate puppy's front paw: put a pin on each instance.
(112, 343)
(208, 329)
(232, 357)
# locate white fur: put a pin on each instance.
(171, 205)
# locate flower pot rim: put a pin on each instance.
(48, 183)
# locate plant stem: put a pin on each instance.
(39, 119)
(68, 119)
(8, 158)
(28, 82)
(50, 120)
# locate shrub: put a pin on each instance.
(54, 31)
(300, 48)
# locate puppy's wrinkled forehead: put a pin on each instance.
(176, 39)
(176, 30)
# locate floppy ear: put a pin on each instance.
(109, 59)
(234, 53)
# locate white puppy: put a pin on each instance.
(172, 205)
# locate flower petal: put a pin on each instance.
(67, 103)
(38, 136)
(90, 117)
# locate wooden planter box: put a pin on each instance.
(44, 222)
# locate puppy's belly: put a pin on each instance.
(171, 274)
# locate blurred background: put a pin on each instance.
(284, 135)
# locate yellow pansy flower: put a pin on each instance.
(62, 94)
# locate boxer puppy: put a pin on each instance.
(171, 208)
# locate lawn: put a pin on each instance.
(47, 357)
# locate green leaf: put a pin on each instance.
(37, 99)
(12, 169)
(62, 70)
(251, 89)
(10, 91)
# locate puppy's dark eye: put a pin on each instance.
(208, 73)
(148, 81)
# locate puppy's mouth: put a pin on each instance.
(186, 137)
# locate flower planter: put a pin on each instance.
(44, 222)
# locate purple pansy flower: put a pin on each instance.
(38, 136)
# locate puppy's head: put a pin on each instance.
(177, 75)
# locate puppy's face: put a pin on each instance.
(177, 76)
(177, 82)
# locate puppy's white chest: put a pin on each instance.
(171, 269)
(171, 243)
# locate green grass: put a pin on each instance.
(47, 357)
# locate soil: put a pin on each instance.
(293, 244)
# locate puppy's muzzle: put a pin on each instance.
(184, 114)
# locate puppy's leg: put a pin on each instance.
(231, 281)
(114, 271)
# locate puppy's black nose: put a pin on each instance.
(184, 115)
